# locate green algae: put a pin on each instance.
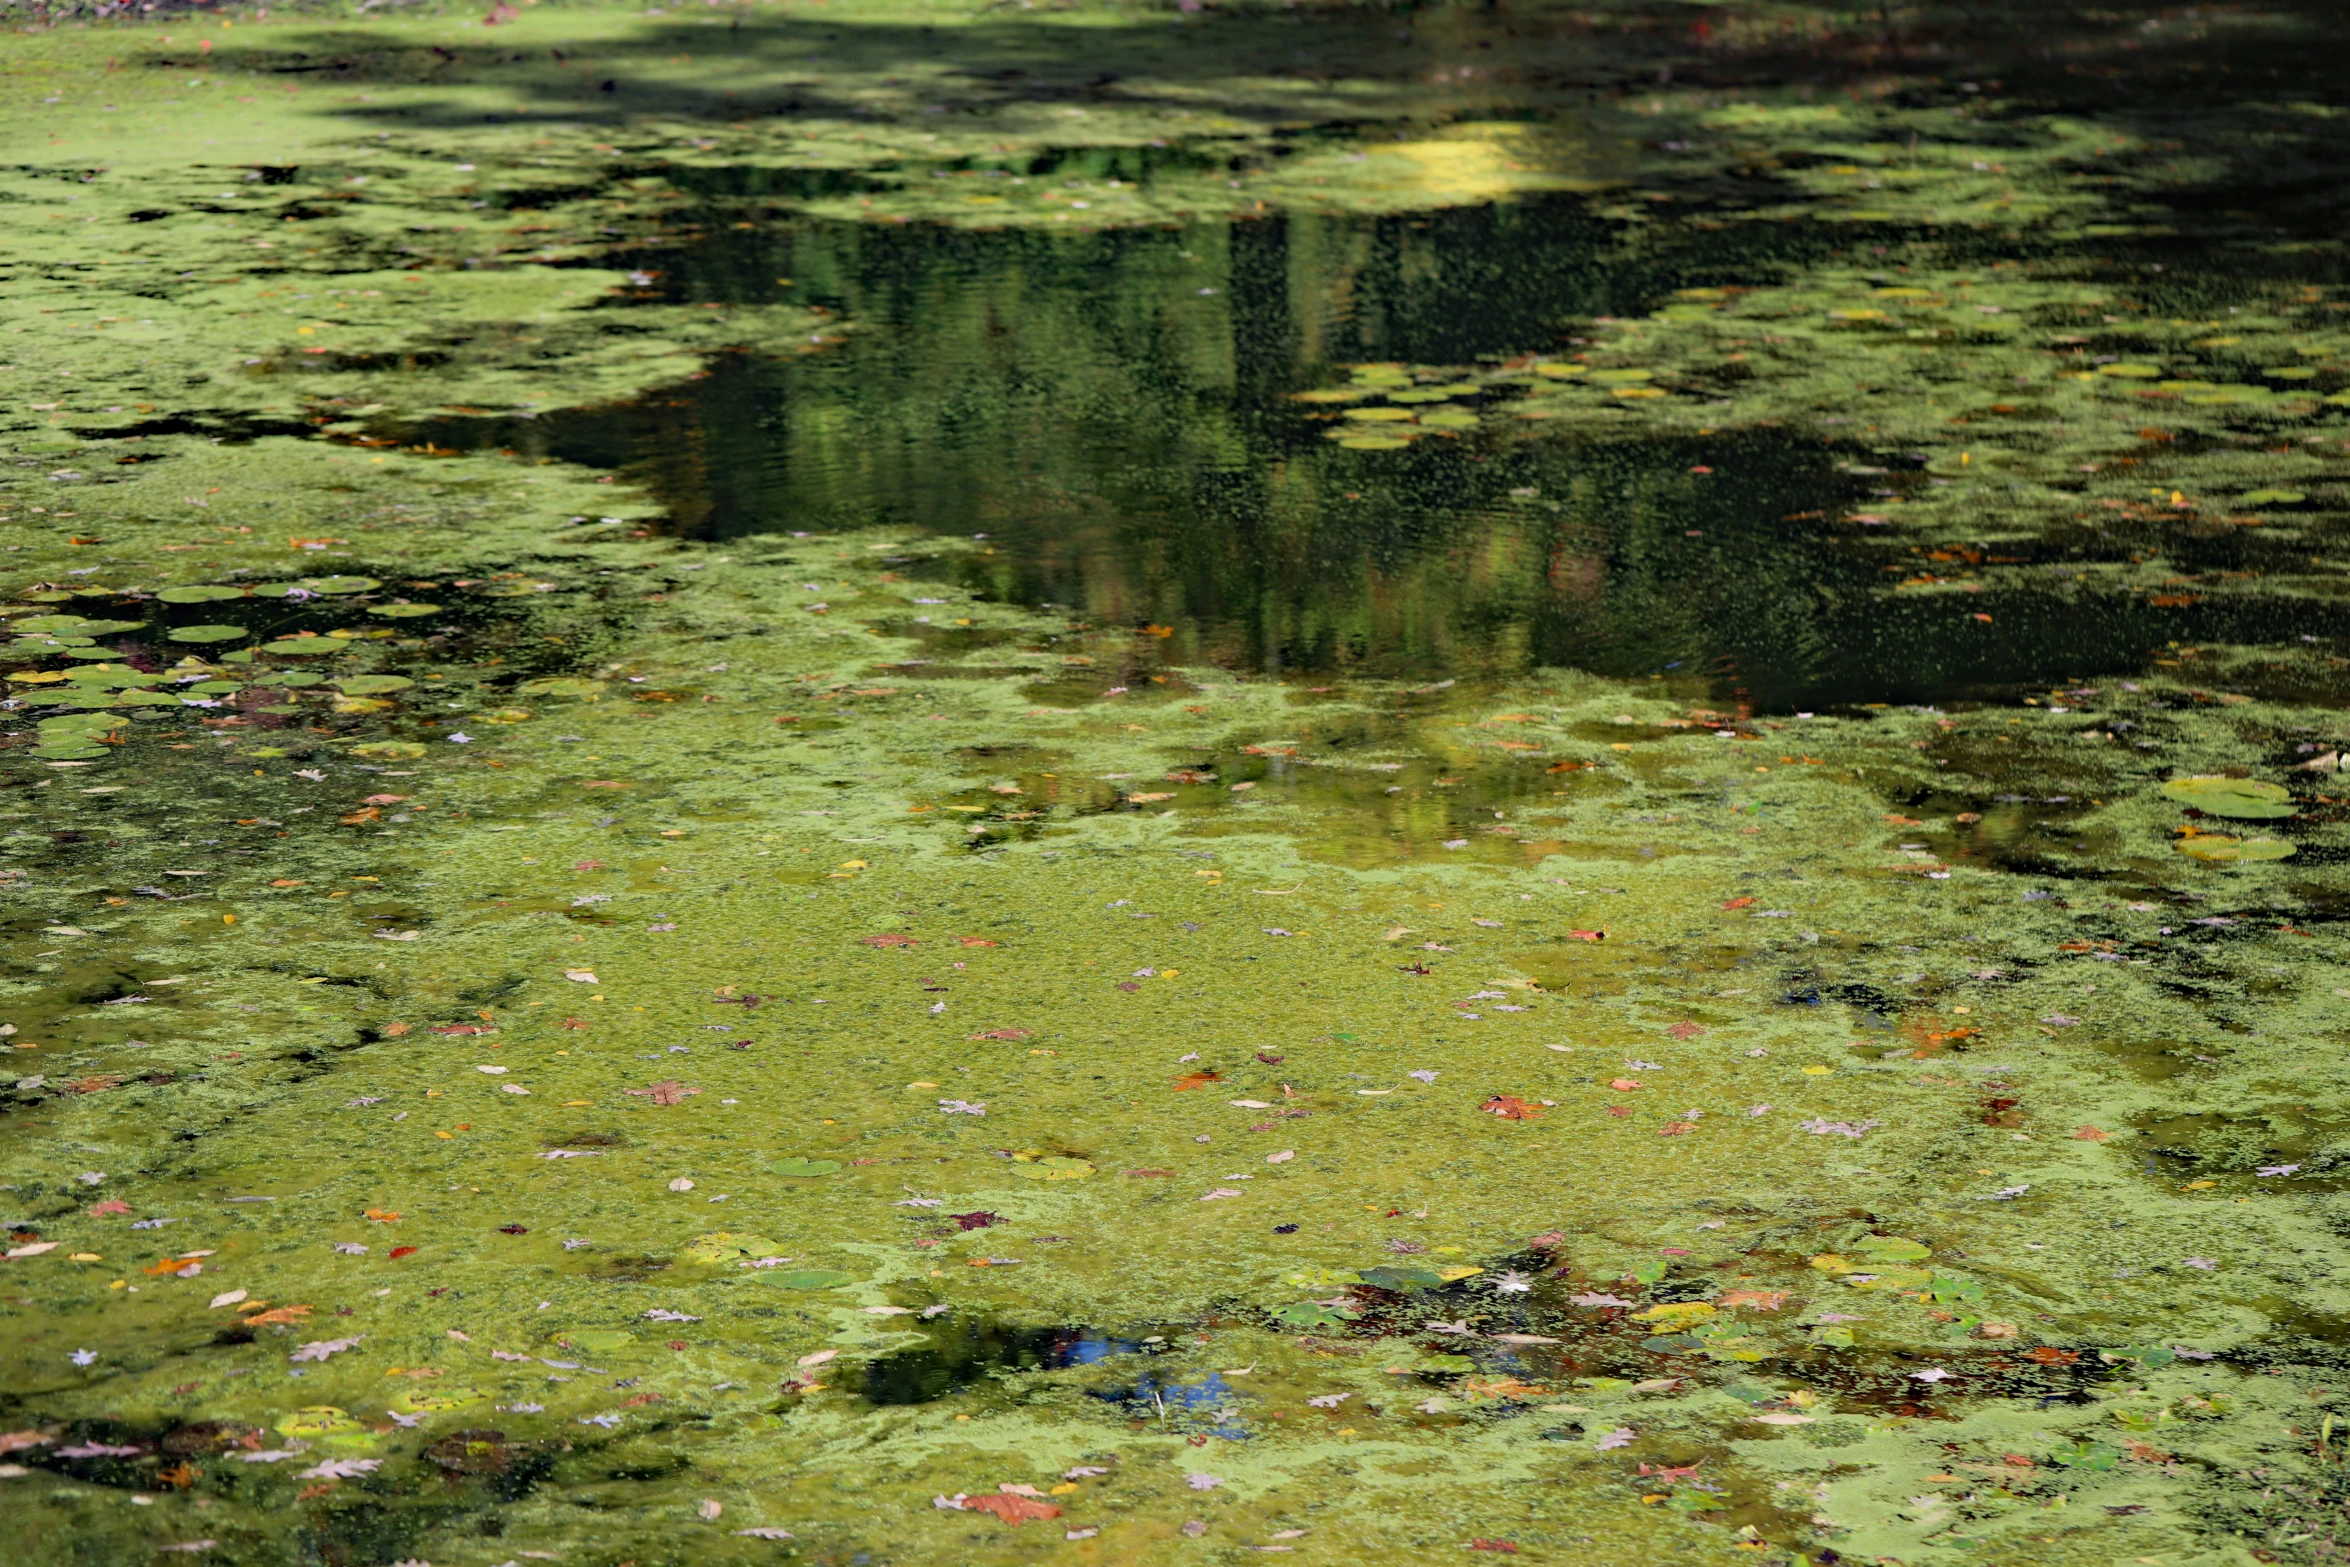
(1977, 1190)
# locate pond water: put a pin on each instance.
(837, 783)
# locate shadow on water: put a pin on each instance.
(1113, 415)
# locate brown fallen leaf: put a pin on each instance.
(395, 1030)
(280, 1315)
(888, 939)
(977, 941)
(1148, 1175)
(667, 1092)
(2090, 1134)
(1759, 1300)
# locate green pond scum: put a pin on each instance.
(858, 782)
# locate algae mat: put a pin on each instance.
(1117, 785)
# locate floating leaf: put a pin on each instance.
(1676, 1314)
(438, 1400)
(199, 594)
(1374, 443)
(1401, 1278)
(75, 625)
(729, 1246)
(802, 1168)
(601, 1341)
(389, 750)
(373, 685)
(1893, 1248)
(207, 633)
(562, 685)
(1054, 1170)
(324, 1425)
(407, 611)
(2218, 848)
(340, 584)
(1312, 1314)
(2272, 498)
(2246, 799)
(811, 1279)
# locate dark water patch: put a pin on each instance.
(961, 1354)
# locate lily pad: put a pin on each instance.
(1622, 377)
(802, 1169)
(199, 594)
(2272, 498)
(1560, 372)
(811, 1279)
(340, 584)
(76, 625)
(373, 685)
(730, 1246)
(2129, 370)
(1389, 1277)
(2217, 848)
(1450, 419)
(407, 611)
(1374, 443)
(1312, 1314)
(1893, 1248)
(438, 1400)
(598, 1341)
(207, 633)
(2245, 799)
(389, 750)
(296, 677)
(1054, 1170)
(1379, 415)
(564, 685)
(323, 1425)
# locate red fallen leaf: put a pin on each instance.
(2050, 1355)
(1011, 1509)
(1506, 1547)
(1190, 775)
(110, 1205)
(1510, 1108)
(313, 1491)
(1191, 1080)
(977, 941)
(1002, 1033)
(976, 1221)
(461, 1028)
(513, 1229)
(2090, 1134)
(402, 1251)
(1684, 1030)
(667, 1092)
(1738, 903)
(1588, 935)
(92, 1085)
(1270, 1060)
(888, 938)
(1676, 1128)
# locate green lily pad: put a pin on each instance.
(438, 1400)
(1556, 371)
(1379, 415)
(1944, 1287)
(214, 688)
(811, 1279)
(1623, 377)
(1450, 419)
(389, 750)
(2130, 371)
(2291, 372)
(36, 646)
(325, 1426)
(76, 625)
(373, 685)
(1398, 1278)
(407, 611)
(2217, 848)
(1892, 1248)
(340, 584)
(207, 633)
(1374, 443)
(598, 1341)
(1421, 394)
(563, 685)
(199, 594)
(2245, 799)
(296, 677)
(802, 1169)
(722, 1246)
(1312, 1314)
(147, 699)
(2272, 498)
(1890, 1279)
(1446, 1363)
(1053, 1170)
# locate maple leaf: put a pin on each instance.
(2090, 1134)
(667, 1092)
(1684, 1030)
(1734, 903)
(1011, 1509)
(279, 1315)
(2049, 1355)
(1506, 1547)
(1676, 1128)
(1191, 1080)
(888, 939)
(1669, 1476)
(1510, 1108)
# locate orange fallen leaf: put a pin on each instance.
(384, 1215)
(280, 1315)
(1191, 1080)
(1510, 1108)
(668, 1092)
(285, 881)
(397, 1029)
(1587, 935)
(977, 941)
(2049, 1355)
(1738, 903)
(1011, 1509)
(888, 939)
(1759, 1300)
(2090, 1134)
